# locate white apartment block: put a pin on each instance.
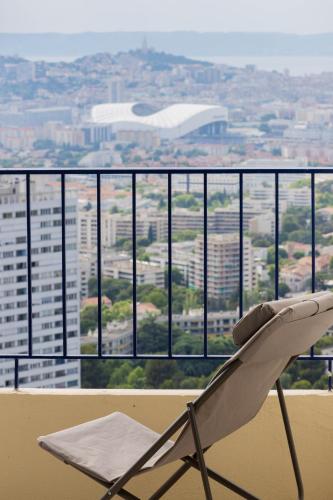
(147, 273)
(216, 183)
(88, 270)
(288, 196)
(117, 338)
(218, 323)
(222, 220)
(263, 224)
(87, 230)
(223, 265)
(46, 269)
(115, 227)
(226, 220)
(181, 256)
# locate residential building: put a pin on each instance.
(117, 338)
(298, 275)
(263, 224)
(223, 265)
(46, 269)
(87, 230)
(119, 226)
(218, 323)
(147, 273)
(116, 90)
(88, 270)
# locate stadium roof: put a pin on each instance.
(171, 122)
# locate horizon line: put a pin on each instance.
(166, 31)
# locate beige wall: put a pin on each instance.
(255, 457)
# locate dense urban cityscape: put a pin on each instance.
(149, 109)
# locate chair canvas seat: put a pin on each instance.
(105, 447)
(116, 447)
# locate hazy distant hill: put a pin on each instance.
(187, 43)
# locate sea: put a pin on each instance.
(297, 66)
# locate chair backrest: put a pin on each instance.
(224, 407)
(256, 317)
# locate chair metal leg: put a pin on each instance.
(200, 457)
(222, 480)
(176, 476)
(127, 495)
(122, 494)
(170, 482)
(290, 439)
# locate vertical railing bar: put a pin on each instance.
(29, 277)
(169, 265)
(277, 263)
(205, 263)
(99, 265)
(134, 299)
(187, 183)
(330, 375)
(313, 241)
(63, 265)
(16, 373)
(241, 238)
(313, 234)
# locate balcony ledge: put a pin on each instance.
(189, 393)
(256, 456)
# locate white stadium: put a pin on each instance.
(170, 123)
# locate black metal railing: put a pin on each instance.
(62, 174)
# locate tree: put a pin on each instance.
(93, 372)
(192, 300)
(120, 311)
(114, 289)
(152, 336)
(298, 255)
(264, 240)
(88, 319)
(188, 344)
(301, 384)
(295, 225)
(137, 378)
(219, 199)
(158, 297)
(276, 152)
(221, 345)
(159, 371)
(307, 370)
(267, 117)
(185, 201)
(185, 235)
(283, 289)
(44, 144)
(271, 254)
(263, 127)
(119, 374)
(177, 276)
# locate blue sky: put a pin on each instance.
(289, 16)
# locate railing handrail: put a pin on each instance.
(165, 170)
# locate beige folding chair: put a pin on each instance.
(113, 449)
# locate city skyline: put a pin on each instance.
(157, 110)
